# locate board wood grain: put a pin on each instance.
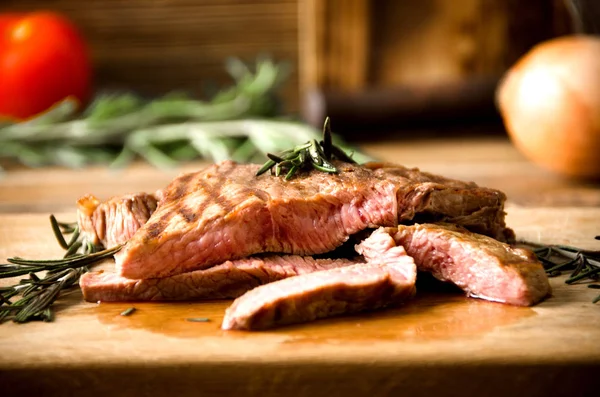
(92, 344)
(440, 344)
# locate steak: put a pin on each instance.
(227, 280)
(388, 278)
(115, 221)
(225, 212)
(483, 267)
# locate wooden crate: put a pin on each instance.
(158, 46)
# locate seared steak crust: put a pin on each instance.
(224, 212)
(389, 278)
(227, 280)
(483, 267)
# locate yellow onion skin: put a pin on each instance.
(550, 104)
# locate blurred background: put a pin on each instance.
(444, 51)
(378, 68)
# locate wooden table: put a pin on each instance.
(442, 344)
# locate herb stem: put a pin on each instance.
(36, 294)
(583, 275)
(128, 311)
(583, 264)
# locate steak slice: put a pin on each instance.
(483, 267)
(389, 278)
(224, 281)
(114, 221)
(225, 212)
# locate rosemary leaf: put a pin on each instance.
(327, 142)
(19, 271)
(274, 158)
(312, 154)
(113, 123)
(291, 172)
(582, 264)
(267, 166)
(72, 261)
(58, 233)
(198, 319)
(36, 294)
(323, 168)
(48, 315)
(583, 275)
(73, 248)
(117, 128)
(128, 311)
(43, 300)
(341, 155)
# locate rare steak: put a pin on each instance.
(225, 212)
(483, 267)
(227, 280)
(388, 278)
(114, 221)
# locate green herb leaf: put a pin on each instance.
(129, 311)
(583, 264)
(238, 123)
(312, 154)
(47, 278)
(198, 319)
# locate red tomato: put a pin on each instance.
(43, 60)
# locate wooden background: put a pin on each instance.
(351, 44)
(155, 46)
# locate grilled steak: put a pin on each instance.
(115, 221)
(483, 267)
(224, 212)
(389, 278)
(228, 280)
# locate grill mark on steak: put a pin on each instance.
(185, 184)
(483, 267)
(188, 214)
(239, 215)
(155, 229)
(227, 280)
(386, 279)
(182, 188)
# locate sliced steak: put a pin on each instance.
(115, 221)
(224, 212)
(228, 280)
(483, 267)
(388, 279)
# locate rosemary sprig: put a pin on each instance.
(582, 265)
(241, 123)
(36, 294)
(117, 125)
(312, 154)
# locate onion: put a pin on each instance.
(550, 103)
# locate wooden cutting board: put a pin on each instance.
(439, 344)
